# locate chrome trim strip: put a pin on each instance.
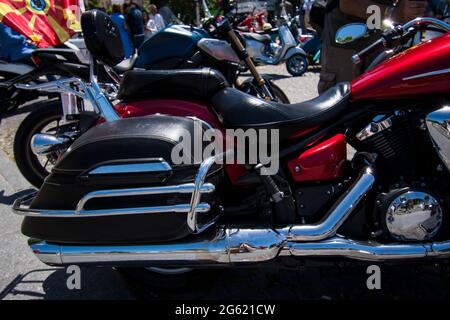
(375, 127)
(131, 168)
(201, 207)
(427, 74)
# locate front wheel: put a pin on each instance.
(297, 65)
(251, 87)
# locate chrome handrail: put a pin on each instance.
(20, 207)
(91, 92)
(431, 21)
(179, 189)
(199, 184)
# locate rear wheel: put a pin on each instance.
(297, 65)
(44, 119)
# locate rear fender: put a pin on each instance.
(293, 51)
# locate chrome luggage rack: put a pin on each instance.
(22, 206)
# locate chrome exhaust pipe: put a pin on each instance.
(225, 247)
(43, 144)
(267, 246)
(338, 214)
(359, 250)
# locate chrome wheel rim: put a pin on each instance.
(46, 163)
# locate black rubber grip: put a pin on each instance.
(380, 43)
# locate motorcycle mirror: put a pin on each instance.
(350, 33)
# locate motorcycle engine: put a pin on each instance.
(409, 214)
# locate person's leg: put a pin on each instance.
(337, 66)
(138, 40)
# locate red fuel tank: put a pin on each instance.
(417, 72)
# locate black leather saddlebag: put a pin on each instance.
(124, 156)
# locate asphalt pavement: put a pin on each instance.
(22, 276)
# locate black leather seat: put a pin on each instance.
(257, 37)
(239, 110)
(190, 83)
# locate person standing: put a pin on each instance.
(285, 9)
(166, 13)
(119, 20)
(135, 23)
(155, 20)
(14, 46)
(336, 60)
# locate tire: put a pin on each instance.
(27, 162)
(249, 87)
(278, 93)
(297, 65)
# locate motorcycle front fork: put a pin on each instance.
(261, 82)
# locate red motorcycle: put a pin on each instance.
(253, 22)
(117, 197)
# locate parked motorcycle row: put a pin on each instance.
(113, 196)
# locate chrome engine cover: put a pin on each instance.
(414, 216)
(438, 124)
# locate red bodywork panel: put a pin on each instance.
(171, 107)
(323, 161)
(179, 108)
(416, 72)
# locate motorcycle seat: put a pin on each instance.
(55, 55)
(240, 110)
(257, 37)
(185, 83)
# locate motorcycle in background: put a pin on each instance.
(264, 51)
(312, 45)
(12, 73)
(253, 22)
(10, 97)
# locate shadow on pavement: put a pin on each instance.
(9, 200)
(51, 284)
(310, 283)
(307, 283)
